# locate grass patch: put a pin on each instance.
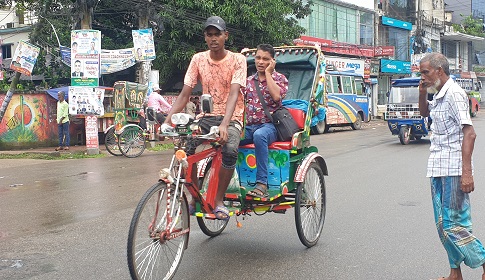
(50, 156)
(161, 147)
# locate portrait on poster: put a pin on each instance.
(143, 44)
(24, 58)
(86, 101)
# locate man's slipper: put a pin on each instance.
(221, 213)
(191, 209)
(263, 192)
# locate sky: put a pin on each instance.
(369, 4)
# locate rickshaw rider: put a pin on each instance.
(222, 73)
(259, 129)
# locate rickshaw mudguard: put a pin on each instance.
(418, 126)
(128, 126)
(303, 167)
(108, 128)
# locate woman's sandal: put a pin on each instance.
(263, 191)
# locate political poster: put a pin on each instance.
(86, 101)
(24, 58)
(143, 44)
(85, 57)
(116, 60)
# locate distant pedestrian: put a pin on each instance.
(190, 107)
(450, 163)
(63, 122)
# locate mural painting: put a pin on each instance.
(28, 120)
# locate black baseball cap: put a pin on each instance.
(217, 22)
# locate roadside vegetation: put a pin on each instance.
(74, 155)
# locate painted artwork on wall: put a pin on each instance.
(27, 119)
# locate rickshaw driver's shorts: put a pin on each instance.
(230, 149)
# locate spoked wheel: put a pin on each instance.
(404, 135)
(111, 142)
(152, 252)
(358, 123)
(310, 206)
(320, 127)
(208, 226)
(131, 141)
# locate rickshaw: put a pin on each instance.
(160, 226)
(402, 111)
(126, 137)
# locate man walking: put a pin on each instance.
(450, 163)
(63, 122)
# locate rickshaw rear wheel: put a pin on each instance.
(111, 142)
(209, 227)
(132, 141)
(404, 135)
(151, 252)
(320, 127)
(358, 123)
(310, 206)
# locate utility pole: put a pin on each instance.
(143, 68)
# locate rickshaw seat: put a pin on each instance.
(151, 115)
(299, 117)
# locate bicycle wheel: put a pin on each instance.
(151, 254)
(310, 206)
(131, 141)
(210, 227)
(111, 142)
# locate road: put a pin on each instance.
(69, 219)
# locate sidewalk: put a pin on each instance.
(52, 150)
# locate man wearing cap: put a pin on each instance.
(158, 103)
(63, 122)
(222, 73)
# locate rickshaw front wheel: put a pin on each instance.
(208, 226)
(310, 206)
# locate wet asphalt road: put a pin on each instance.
(69, 219)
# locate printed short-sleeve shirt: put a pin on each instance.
(216, 78)
(254, 108)
(449, 111)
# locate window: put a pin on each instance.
(347, 81)
(7, 51)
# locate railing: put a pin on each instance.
(402, 111)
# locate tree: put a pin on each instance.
(250, 22)
(471, 26)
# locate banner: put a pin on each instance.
(86, 101)
(144, 45)
(24, 58)
(85, 57)
(116, 60)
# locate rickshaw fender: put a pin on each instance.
(201, 166)
(129, 125)
(303, 167)
(108, 128)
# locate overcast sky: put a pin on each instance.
(369, 4)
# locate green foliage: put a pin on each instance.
(250, 22)
(470, 26)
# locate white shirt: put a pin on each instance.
(449, 111)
